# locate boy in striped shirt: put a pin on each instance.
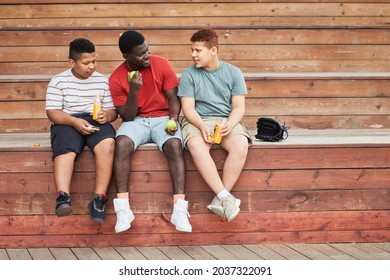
(70, 98)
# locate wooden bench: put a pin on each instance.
(321, 67)
(316, 186)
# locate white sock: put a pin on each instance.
(222, 194)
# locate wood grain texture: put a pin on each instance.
(319, 66)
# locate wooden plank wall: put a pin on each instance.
(318, 65)
(291, 193)
(267, 38)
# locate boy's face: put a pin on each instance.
(84, 67)
(139, 57)
(202, 56)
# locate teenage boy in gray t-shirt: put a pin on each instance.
(213, 92)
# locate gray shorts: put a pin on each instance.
(148, 130)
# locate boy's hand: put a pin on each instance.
(102, 117)
(82, 126)
(207, 136)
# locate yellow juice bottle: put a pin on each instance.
(97, 107)
(217, 134)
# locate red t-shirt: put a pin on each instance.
(156, 79)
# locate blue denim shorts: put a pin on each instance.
(148, 130)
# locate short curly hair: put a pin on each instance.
(129, 40)
(80, 46)
(206, 35)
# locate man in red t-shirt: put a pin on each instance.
(146, 100)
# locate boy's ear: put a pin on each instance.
(214, 50)
(71, 62)
(125, 55)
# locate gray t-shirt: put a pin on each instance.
(212, 90)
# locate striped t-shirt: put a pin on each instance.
(74, 96)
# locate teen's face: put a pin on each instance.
(84, 67)
(202, 56)
(139, 57)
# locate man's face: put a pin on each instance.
(139, 57)
(84, 67)
(202, 55)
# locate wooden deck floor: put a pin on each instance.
(331, 251)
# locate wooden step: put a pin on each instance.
(302, 100)
(316, 186)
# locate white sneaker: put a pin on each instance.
(180, 216)
(124, 215)
(216, 207)
(231, 206)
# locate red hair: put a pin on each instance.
(208, 36)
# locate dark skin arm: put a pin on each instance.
(129, 110)
(174, 107)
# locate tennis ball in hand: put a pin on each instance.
(171, 124)
(131, 74)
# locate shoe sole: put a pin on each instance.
(64, 210)
(183, 229)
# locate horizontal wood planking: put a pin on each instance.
(247, 66)
(323, 113)
(254, 107)
(183, 1)
(300, 157)
(250, 180)
(271, 36)
(256, 201)
(269, 50)
(128, 10)
(303, 227)
(293, 122)
(295, 193)
(21, 90)
(229, 53)
(307, 103)
(148, 223)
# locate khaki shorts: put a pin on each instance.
(189, 130)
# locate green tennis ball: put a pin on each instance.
(131, 74)
(171, 124)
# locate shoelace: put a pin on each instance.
(185, 212)
(62, 199)
(99, 205)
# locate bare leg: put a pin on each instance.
(124, 149)
(104, 155)
(200, 153)
(176, 163)
(63, 170)
(237, 149)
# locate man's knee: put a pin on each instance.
(123, 145)
(173, 145)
